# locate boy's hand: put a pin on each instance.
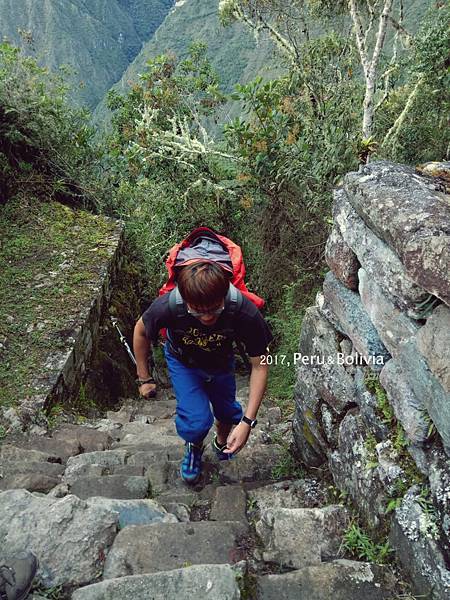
(147, 390)
(237, 438)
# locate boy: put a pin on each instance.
(200, 360)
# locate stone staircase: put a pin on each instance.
(103, 507)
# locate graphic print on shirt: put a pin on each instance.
(209, 342)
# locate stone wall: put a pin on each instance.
(373, 387)
(87, 351)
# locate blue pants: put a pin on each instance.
(198, 390)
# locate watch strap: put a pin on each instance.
(251, 422)
(144, 381)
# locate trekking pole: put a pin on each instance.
(123, 340)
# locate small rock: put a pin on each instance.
(59, 491)
(274, 415)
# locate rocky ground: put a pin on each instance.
(103, 507)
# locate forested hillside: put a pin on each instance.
(96, 39)
(234, 52)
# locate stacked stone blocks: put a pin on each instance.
(383, 316)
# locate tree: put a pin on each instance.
(413, 123)
(294, 24)
(369, 58)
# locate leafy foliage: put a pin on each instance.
(414, 122)
(46, 146)
(167, 174)
(359, 545)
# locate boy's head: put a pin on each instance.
(203, 286)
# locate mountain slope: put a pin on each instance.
(97, 38)
(233, 51)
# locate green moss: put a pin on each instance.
(50, 254)
(248, 586)
(374, 386)
(397, 436)
(308, 435)
(370, 444)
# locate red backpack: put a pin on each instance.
(204, 244)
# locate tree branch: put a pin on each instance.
(381, 35)
(359, 34)
(399, 27)
(393, 132)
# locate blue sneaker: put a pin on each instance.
(191, 465)
(219, 450)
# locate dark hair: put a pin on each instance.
(203, 284)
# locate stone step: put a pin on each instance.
(13, 453)
(10, 468)
(190, 496)
(33, 482)
(133, 444)
(111, 486)
(88, 438)
(165, 476)
(229, 504)
(203, 582)
(133, 512)
(339, 579)
(107, 458)
(122, 416)
(165, 546)
(298, 537)
(297, 493)
(147, 439)
(31, 476)
(159, 410)
(58, 449)
(148, 430)
(252, 464)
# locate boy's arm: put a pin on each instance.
(141, 348)
(258, 381)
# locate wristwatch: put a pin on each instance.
(253, 423)
(144, 381)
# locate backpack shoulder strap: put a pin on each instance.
(233, 303)
(176, 304)
(233, 300)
